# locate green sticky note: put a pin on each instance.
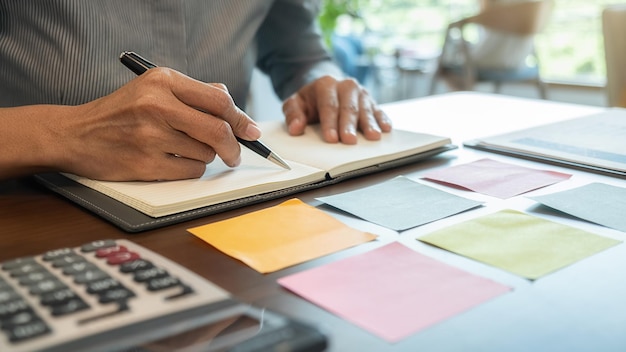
(519, 243)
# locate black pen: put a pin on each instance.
(139, 65)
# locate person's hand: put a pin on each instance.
(342, 107)
(152, 129)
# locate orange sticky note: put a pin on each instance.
(281, 236)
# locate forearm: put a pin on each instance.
(29, 139)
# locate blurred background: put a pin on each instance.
(393, 47)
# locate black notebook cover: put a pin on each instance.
(132, 220)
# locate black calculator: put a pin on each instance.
(115, 295)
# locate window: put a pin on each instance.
(571, 48)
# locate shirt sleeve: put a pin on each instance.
(290, 48)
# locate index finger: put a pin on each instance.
(327, 103)
(180, 110)
(215, 100)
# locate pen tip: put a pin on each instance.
(278, 161)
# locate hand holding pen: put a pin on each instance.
(163, 125)
(140, 65)
(163, 135)
(148, 129)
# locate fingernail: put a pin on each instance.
(374, 128)
(236, 162)
(253, 132)
(291, 127)
(333, 135)
(350, 130)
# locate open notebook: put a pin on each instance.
(137, 206)
(594, 142)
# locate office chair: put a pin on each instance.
(614, 28)
(514, 25)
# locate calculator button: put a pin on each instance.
(68, 260)
(57, 253)
(8, 295)
(148, 274)
(35, 277)
(79, 267)
(115, 295)
(46, 286)
(90, 276)
(95, 245)
(25, 269)
(20, 318)
(10, 308)
(57, 297)
(139, 264)
(11, 264)
(71, 306)
(28, 331)
(121, 257)
(100, 286)
(105, 252)
(162, 283)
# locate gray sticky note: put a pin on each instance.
(596, 202)
(400, 203)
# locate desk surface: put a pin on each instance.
(579, 308)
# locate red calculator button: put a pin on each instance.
(121, 257)
(105, 252)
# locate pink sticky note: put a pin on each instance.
(392, 291)
(495, 178)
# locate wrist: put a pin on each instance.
(31, 140)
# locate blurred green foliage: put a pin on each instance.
(333, 9)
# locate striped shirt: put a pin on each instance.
(67, 51)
